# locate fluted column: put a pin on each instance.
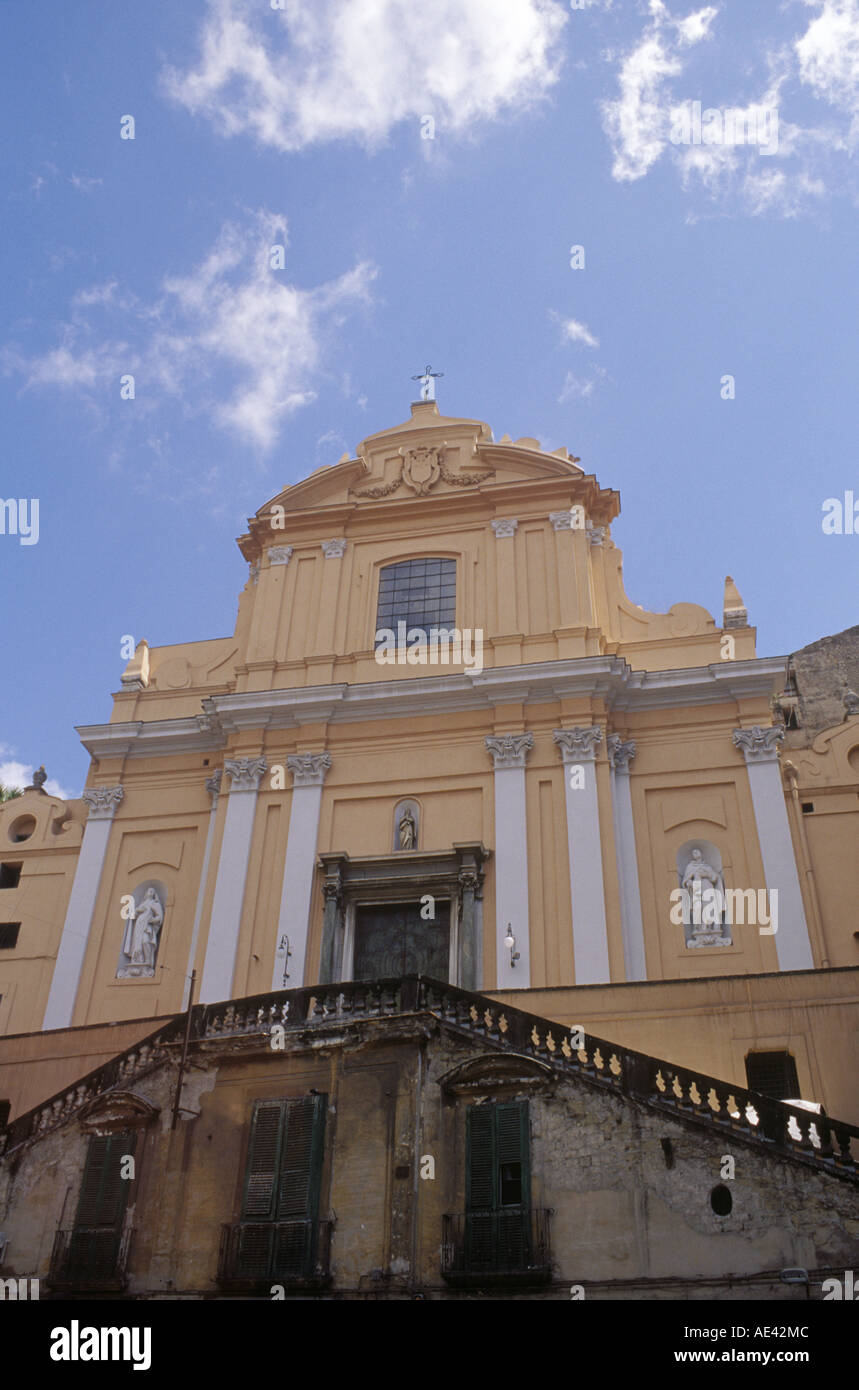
(102, 803)
(508, 752)
(760, 750)
(590, 937)
(309, 771)
(620, 755)
(245, 775)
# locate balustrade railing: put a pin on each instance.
(792, 1129)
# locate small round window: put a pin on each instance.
(22, 829)
(721, 1200)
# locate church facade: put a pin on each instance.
(442, 742)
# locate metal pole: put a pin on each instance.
(183, 1059)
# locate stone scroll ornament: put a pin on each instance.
(579, 744)
(245, 773)
(103, 801)
(510, 750)
(757, 744)
(308, 769)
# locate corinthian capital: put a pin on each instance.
(759, 745)
(620, 754)
(308, 769)
(578, 745)
(245, 773)
(510, 750)
(103, 801)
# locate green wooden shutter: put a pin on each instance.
(263, 1162)
(513, 1143)
(301, 1158)
(480, 1163)
(497, 1236)
(103, 1190)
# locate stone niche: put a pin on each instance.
(143, 929)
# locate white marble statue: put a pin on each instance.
(142, 931)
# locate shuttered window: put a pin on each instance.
(497, 1156)
(277, 1235)
(93, 1254)
(498, 1187)
(104, 1191)
(285, 1160)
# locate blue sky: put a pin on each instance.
(305, 124)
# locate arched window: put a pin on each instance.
(419, 593)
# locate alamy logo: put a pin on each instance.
(16, 1289)
(76, 1343)
(735, 907)
(420, 646)
(13, 519)
(835, 1289)
(756, 125)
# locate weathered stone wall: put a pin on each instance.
(630, 1220)
(822, 669)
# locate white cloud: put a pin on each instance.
(84, 183)
(332, 70)
(231, 315)
(637, 121)
(828, 54)
(581, 387)
(573, 331)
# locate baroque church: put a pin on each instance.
(454, 926)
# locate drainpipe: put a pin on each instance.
(417, 1163)
(807, 869)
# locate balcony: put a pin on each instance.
(506, 1247)
(90, 1259)
(260, 1253)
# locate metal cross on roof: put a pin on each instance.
(427, 379)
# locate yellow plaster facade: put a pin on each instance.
(560, 767)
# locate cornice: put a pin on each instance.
(608, 678)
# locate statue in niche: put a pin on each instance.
(704, 908)
(407, 830)
(142, 934)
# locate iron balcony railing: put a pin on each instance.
(508, 1246)
(280, 1252)
(90, 1258)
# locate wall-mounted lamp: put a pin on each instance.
(510, 942)
(284, 947)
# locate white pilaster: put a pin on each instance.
(308, 774)
(620, 755)
(102, 803)
(213, 787)
(590, 938)
(509, 752)
(760, 750)
(245, 775)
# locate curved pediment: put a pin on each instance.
(429, 454)
(115, 1111)
(496, 1071)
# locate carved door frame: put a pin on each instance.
(454, 875)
